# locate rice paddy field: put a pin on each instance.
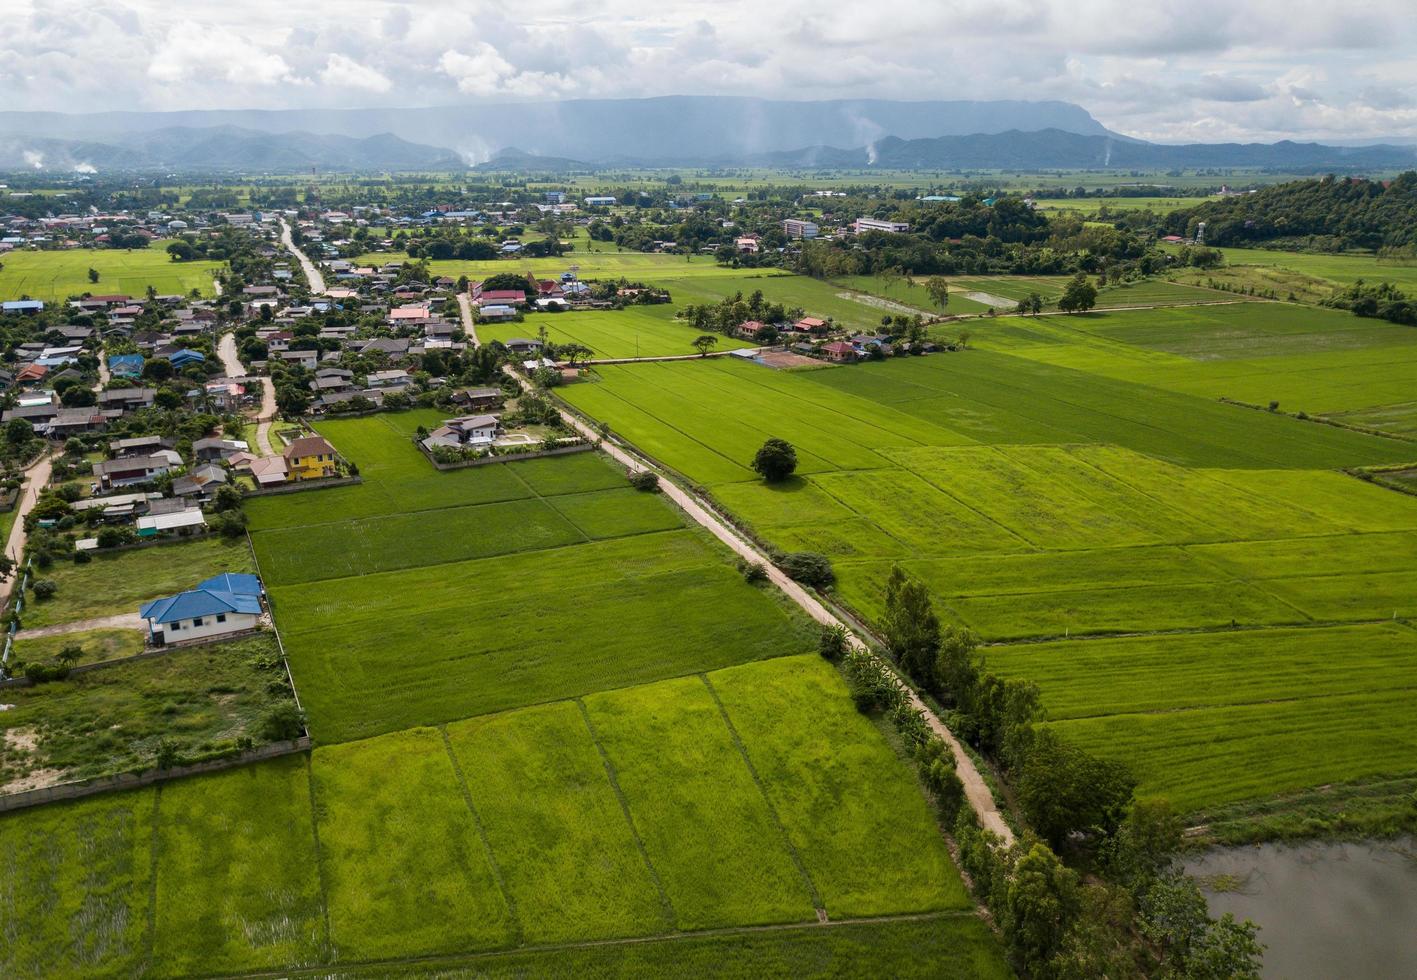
(421, 596)
(1189, 581)
(58, 275)
(753, 801)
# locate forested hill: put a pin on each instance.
(1343, 213)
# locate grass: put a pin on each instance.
(706, 827)
(637, 331)
(404, 866)
(119, 582)
(1080, 477)
(517, 829)
(56, 276)
(945, 948)
(97, 645)
(389, 650)
(854, 814)
(75, 887)
(112, 720)
(411, 600)
(569, 858)
(238, 886)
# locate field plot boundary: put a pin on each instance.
(456, 959)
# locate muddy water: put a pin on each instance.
(1330, 910)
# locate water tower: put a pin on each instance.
(1200, 233)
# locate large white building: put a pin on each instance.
(864, 225)
(799, 228)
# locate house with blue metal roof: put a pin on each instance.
(125, 365)
(220, 606)
(184, 357)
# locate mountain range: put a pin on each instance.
(559, 137)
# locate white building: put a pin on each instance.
(864, 225)
(220, 606)
(798, 228)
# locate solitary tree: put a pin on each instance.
(776, 460)
(70, 655)
(93, 275)
(705, 343)
(939, 289)
(1080, 296)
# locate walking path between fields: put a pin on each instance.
(122, 621)
(976, 790)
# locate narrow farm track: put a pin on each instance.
(977, 791)
(452, 960)
(36, 479)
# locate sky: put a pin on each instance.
(1177, 71)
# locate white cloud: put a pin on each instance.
(191, 49)
(344, 72)
(1212, 69)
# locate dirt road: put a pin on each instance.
(976, 790)
(122, 621)
(468, 327)
(312, 274)
(36, 479)
(266, 413)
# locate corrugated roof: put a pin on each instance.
(198, 602)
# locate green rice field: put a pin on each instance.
(58, 275)
(1079, 481)
(656, 811)
(420, 597)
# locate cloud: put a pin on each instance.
(344, 72)
(1174, 71)
(191, 49)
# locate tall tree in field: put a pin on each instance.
(705, 343)
(776, 460)
(939, 289)
(1080, 296)
(911, 627)
(93, 275)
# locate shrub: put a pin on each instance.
(281, 723)
(808, 567)
(873, 687)
(168, 755)
(832, 643)
(753, 571)
(82, 557)
(42, 673)
(45, 588)
(645, 480)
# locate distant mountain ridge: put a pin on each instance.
(686, 131)
(226, 148)
(645, 130)
(1053, 148)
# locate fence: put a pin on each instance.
(134, 780)
(301, 485)
(581, 447)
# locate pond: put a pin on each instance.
(1325, 910)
